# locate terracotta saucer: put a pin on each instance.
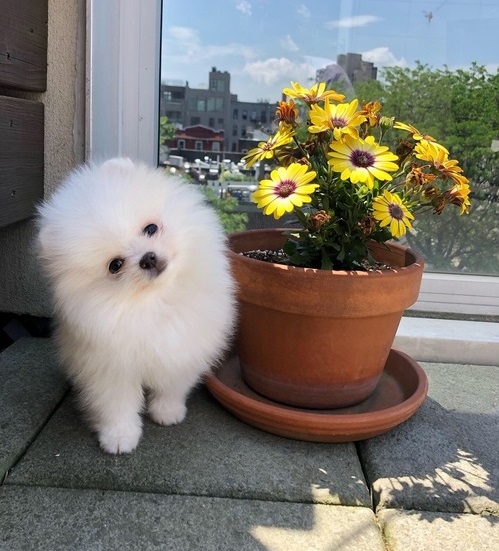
(400, 392)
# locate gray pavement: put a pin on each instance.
(214, 483)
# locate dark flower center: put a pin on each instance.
(396, 211)
(285, 188)
(362, 159)
(338, 122)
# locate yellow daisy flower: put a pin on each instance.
(371, 110)
(362, 160)
(287, 113)
(389, 209)
(418, 178)
(288, 187)
(342, 118)
(315, 94)
(416, 134)
(265, 150)
(459, 195)
(449, 168)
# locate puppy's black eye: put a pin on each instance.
(150, 229)
(115, 265)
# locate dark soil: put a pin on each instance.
(280, 257)
(277, 257)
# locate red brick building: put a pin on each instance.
(197, 138)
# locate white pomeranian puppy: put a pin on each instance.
(143, 294)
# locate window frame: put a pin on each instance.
(123, 67)
(122, 95)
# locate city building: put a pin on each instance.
(216, 108)
(336, 77)
(199, 138)
(356, 69)
(236, 126)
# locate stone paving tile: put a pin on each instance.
(423, 531)
(55, 519)
(209, 453)
(445, 458)
(30, 389)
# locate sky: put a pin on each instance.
(265, 44)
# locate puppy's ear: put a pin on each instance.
(117, 165)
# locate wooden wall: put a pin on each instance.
(23, 67)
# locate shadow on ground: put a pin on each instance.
(439, 460)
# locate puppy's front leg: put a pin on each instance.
(167, 403)
(114, 411)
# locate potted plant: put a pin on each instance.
(317, 324)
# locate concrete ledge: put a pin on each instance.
(421, 530)
(31, 387)
(445, 457)
(210, 453)
(215, 483)
(449, 341)
(50, 519)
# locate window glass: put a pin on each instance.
(433, 64)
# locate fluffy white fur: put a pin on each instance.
(148, 331)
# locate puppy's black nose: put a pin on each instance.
(148, 261)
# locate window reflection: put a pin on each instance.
(435, 65)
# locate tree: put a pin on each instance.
(231, 220)
(166, 130)
(461, 110)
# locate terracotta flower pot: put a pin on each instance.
(314, 338)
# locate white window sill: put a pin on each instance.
(449, 341)
(459, 293)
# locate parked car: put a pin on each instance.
(241, 191)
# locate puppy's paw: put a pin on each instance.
(120, 438)
(166, 412)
